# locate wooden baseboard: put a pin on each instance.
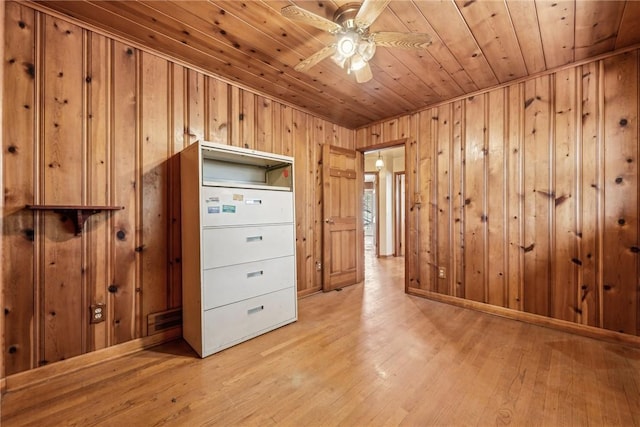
(536, 319)
(63, 367)
(308, 292)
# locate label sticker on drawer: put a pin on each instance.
(214, 199)
(238, 197)
(228, 208)
(213, 209)
(253, 201)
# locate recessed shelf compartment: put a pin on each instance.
(78, 214)
(240, 168)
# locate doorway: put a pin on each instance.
(370, 213)
(384, 202)
(399, 204)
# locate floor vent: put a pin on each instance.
(157, 322)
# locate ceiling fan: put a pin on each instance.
(354, 45)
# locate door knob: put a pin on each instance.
(328, 221)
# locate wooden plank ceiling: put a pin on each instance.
(476, 45)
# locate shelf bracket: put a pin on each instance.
(78, 215)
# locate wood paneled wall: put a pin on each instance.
(527, 195)
(91, 120)
(2, 39)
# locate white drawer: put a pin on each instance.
(228, 246)
(226, 285)
(233, 323)
(239, 206)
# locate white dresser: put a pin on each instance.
(238, 245)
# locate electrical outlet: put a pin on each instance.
(318, 265)
(442, 273)
(98, 313)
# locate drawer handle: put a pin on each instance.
(254, 239)
(253, 202)
(255, 309)
(255, 274)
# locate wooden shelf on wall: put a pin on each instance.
(78, 214)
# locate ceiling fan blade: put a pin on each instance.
(364, 74)
(299, 14)
(369, 12)
(401, 40)
(315, 58)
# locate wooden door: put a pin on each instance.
(343, 234)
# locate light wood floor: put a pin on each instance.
(367, 355)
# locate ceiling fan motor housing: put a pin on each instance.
(345, 16)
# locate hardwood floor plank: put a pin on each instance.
(366, 355)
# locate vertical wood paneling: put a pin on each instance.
(443, 197)
(375, 135)
(620, 245)
(154, 134)
(413, 205)
(515, 196)
(390, 130)
(235, 114)
(218, 111)
(314, 278)
(537, 196)
(62, 167)
(429, 274)
(18, 154)
(404, 127)
(425, 222)
(278, 127)
(495, 245)
(457, 178)
(248, 120)
(565, 261)
(589, 196)
(264, 126)
(97, 265)
(124, 181)
(304, 259)
(362, 139)
(179, 140)
(315, 147)
(2, 204)
(475, 217)
(285, 132)
(196, 103)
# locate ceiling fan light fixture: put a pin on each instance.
(353, 51)
(366, 49)
(348, 43)
(339, 60)
(357, 63)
